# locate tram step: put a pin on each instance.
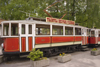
(96, 45)
(85, 49)
(23, 56)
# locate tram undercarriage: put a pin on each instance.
(61, 49)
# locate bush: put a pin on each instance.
(35, 55)
(94, 49)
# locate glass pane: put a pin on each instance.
(88, 33)
(77, 31)
(57, 30)
(23, 28)
(30, 29)
(42, 29)
(92, 34)
(68, 31)
(99, 33)
(6, 29)
(14, 29)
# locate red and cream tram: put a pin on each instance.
(52, 36)
(94, 38)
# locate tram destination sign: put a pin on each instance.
(55, 20)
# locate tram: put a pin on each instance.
(52, 36)
(94, 39)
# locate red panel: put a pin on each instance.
(87, 40)
(92, 40)
(42, 40)
(30, 43)
(62, 39)
(11, 44)
(78, 38)
(83, 40)
(98, 38)
(23, 39)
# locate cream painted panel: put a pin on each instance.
(42, 45)
(62, 44)
(56, 44)
(79, 42)
(99, 42)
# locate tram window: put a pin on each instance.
(23, 28)
(77, 31)
(14, 29)
(99, 33)
(57, 30)
(42, 29)
(88, 32)
(30, 29)
(6, 29)
(68, 31)
(92, 34)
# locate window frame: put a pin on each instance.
(25, 29)
(42, 34)
(8, 29)
(72, 30)
(29, 29)
(98, 33)
(94, 33)
(80, 31)
(88, 32)
(11, 30)
(58, 34)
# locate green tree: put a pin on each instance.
(84, 12)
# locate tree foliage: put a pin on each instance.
(84, 12)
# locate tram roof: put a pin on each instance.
(94, 29)
(39, 22)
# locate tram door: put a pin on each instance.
(26, 37)
(96, 35)
(84, 36)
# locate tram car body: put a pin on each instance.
(94, 39)
(0, 29)
(23, 35)
(0, 35)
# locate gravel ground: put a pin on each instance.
(79, 59)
